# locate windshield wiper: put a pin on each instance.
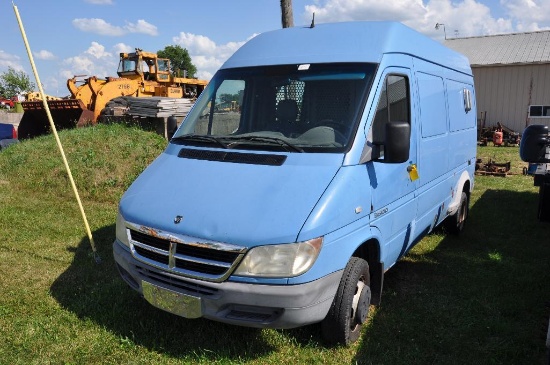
(270, 140)
(200, 138)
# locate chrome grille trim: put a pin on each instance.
(175, 282)
(183, 255)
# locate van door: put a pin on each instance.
(393, 207)
(434, 186)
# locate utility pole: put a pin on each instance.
(439, 25)
(286, 13)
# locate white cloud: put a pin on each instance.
(44, 55)
(101, 27)
(66, 74)
(97, 26)
(205, 54)
(196, 43)
(79, 65)
(529, 15)
(98, 51)
(142, 27)
(94, 61)
(463, 18)
(122, 48)
(9, 60)
(338, 10)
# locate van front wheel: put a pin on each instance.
(455, 223)
(350, 307)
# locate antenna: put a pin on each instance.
(313, 21)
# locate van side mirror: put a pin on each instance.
(534, 141)
(171, 126)
(398, 142)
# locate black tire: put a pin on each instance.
(350, 307)
(455, 223)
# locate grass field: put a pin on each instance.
(476, 299)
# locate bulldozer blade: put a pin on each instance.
(66, 113)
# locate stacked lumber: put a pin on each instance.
(159, 107)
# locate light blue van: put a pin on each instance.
(313, 161)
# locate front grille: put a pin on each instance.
(183, 257)
(173, 281)
(155, 256)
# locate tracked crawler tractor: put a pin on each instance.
(140, 74)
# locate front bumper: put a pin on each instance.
(243, 304)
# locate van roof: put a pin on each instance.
(343, 42)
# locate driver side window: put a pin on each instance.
(393, 105)
(222, 115)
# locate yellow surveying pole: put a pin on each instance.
(54, 131)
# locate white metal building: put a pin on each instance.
(512, 77)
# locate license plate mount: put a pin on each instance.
(183, 305)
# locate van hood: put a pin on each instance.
(239, 203)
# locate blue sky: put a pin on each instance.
(84, 37)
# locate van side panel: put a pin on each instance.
(446, 142)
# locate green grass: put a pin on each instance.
(476, 299)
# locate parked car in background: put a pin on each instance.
(6, 103)
(8, 135)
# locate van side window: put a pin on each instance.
(461, 101)
(433, 104)
(394, 105)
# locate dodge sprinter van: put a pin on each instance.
(313, 161)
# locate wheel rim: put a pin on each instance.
(353, 320)
(462, 215)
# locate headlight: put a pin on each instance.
(121, 232)
(291, 259)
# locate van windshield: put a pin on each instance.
(294, 108)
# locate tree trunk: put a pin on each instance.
(286, 13)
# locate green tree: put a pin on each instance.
(228, 98)
(179, 60)
(14, 82)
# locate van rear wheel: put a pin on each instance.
(455, 223)
(350, 307)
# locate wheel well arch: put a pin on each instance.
(466, 187)
(464, 184)
(370, 252)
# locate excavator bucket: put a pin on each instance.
(66, 113)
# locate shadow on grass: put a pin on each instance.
(96, 292)
(474, 299)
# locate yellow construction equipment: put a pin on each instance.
(140, 74)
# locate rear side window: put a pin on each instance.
(461, 102)
(433, 108)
